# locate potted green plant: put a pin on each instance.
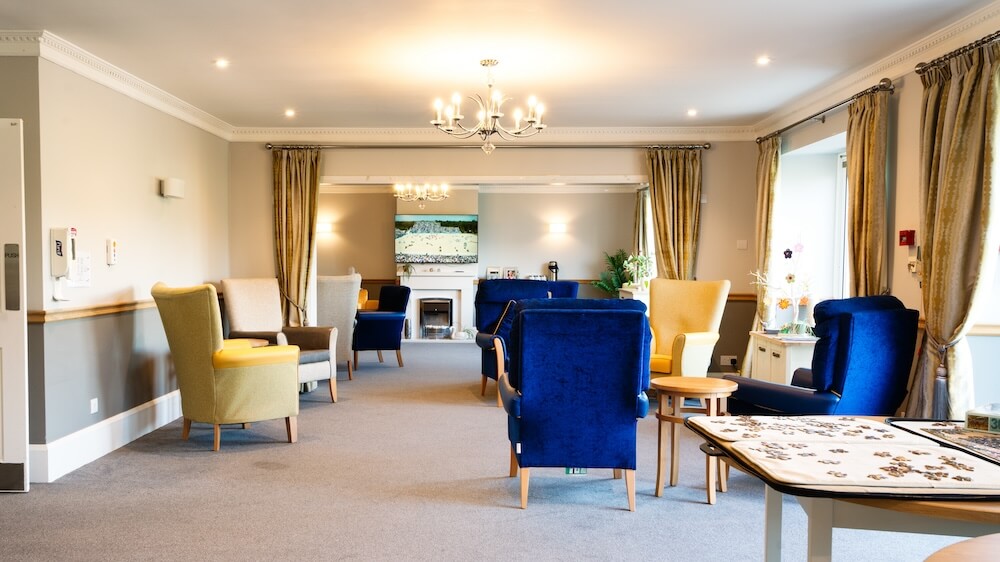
(615, 275)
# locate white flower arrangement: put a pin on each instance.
(792, 294)
(637, 266)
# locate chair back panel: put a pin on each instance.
(337, 305)
(253, 305)
(193, 325)
(563, 289)
(393, 298)
(677, 306)
(581, 372)
(873, 367)
(492, 297)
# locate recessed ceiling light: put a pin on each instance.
(763, 60)
(692, 112)
(289, 113)
(221, 63)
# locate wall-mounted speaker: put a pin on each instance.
(172, 187)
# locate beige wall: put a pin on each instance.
(102, 154)
(513, 218)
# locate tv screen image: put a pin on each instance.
(437, 238)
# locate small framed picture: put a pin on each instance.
(494, 273)
(510, 273)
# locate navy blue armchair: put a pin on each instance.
(860, 366)
(380, 329)
(578, 370)
(494, 312)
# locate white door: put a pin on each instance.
(13, 317)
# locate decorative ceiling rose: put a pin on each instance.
(420, 192)
(448, 118)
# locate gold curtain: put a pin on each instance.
(959, 223)
(867, 134)
(768, 158)
(639, 234)
(675, 194)
(296, 183)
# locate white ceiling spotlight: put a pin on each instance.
(448, 118)
(763, 60)
(692, 112)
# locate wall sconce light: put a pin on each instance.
(557, 227)
(324, 227)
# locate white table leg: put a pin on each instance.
(772, 524)
(820, 527)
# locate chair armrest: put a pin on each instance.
(783, 398)
(370, 305)
(485, 340)
(273, 338)
(237, 344)
(510, 397)
(254, 356)
(311, 337)
(692, 353)
(803, 377)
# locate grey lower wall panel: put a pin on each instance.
(120, 359)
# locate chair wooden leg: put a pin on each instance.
(218, 437)
(380, 360)
(350, 370)
(499, 397)
(399, 357)
(246, 425)
(525, 474)
(186, 432)
(333, 389)
(513, 462)
(630, 488)
(292, 427)
(355, 359)
(482, 387)
(618, 474)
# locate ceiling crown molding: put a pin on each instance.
(901, 63)
(554, 136)
(53, 48)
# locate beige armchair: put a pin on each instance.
(337, 299)
(253, 308)
(685, 318)
(224, 381)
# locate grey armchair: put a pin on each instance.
(337, 306)
(253, 307)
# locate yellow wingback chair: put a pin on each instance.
(685, 318)
(224, 381)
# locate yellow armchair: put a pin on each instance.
(684, 317)
(224, 381)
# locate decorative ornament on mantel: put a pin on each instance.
(420, 192)
(448, 118)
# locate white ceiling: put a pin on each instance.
(595, 63)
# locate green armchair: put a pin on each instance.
(224, 381)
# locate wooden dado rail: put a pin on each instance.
(45, 316)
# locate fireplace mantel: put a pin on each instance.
(453, 282)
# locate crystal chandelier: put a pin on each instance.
(420, 192)
(489, 115)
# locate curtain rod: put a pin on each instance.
(704, 146)
(940, 61)
(883, 84)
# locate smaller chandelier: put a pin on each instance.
(420, 192)
(448, 119)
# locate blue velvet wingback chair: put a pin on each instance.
(494, 298)
(860, 366)
(380, 329)
(576, 385)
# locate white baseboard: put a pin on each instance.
(48, 462)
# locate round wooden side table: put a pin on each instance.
(674, 390)
(979, 548)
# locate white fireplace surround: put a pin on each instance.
(455, 282)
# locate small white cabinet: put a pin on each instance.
(776, 356)
(635, 294)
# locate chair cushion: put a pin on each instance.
(660, 363)
(313, 356)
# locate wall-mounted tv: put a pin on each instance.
(437, 238)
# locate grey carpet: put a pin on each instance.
(411, 464)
